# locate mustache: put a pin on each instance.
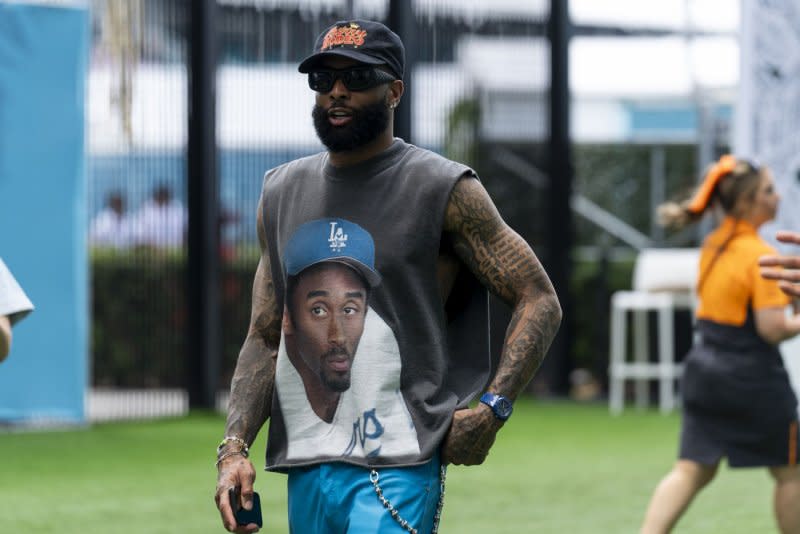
(340, 107)
(336, 352)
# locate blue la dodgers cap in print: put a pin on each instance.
(336, 240)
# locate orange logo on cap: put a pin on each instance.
(344, 35)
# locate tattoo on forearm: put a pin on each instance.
(252, 384)
(529, 334)
(505, 264)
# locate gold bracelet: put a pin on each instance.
(229, 454)
(229, 439)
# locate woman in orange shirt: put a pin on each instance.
(737, 399)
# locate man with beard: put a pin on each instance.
(440, 244)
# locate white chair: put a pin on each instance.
(663, 281)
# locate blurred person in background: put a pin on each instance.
(14, 305)
(111, 227)
(437, 234)
(229, 232)
(160, 221)
(784, 268)
(737, 399)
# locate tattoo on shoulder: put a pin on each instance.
(491, 249)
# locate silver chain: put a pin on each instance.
(373, 477)
(438, 515)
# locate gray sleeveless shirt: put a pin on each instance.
(417, 360)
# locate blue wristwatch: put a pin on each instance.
(501, 406)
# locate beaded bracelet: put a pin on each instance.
(228, 439)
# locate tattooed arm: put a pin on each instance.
(507, 266)
(251, 389)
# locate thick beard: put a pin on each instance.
(364, 127)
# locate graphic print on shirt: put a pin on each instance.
(337, 239)
(338, 369)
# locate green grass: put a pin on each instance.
(556, 468)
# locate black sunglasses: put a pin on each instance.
(354, 79)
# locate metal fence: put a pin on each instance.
(477, 91)
(136, 118)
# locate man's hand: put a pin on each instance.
(250, 403)
(471, 435)
(785, 269)
(235, 471)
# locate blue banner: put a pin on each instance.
(43, 72)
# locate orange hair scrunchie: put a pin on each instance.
(702, 197)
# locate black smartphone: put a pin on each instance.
(245, 517)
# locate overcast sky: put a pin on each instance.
(711, 15)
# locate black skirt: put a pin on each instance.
(738, 402)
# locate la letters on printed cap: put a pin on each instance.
(334, 240)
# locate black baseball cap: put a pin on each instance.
(365, 41)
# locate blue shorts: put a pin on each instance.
(339, 498)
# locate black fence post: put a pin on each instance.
(401, 21)
(203, 199)
(559, 216)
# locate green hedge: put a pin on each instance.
(139, 316)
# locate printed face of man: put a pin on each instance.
(326, 320)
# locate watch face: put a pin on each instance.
(503, 407)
